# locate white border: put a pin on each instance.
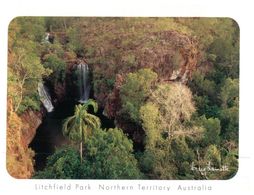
(239, 10)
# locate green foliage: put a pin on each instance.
(208, 31)
(82, 124)
(229, 114)
(158, 162)
(31, 102)
(183, 155)
(217, 95)
(165, 120)
(35, 25)
(135, 91)
(58, 23)
(74, 41)
(231, 160)
(24, 67)
(164, 110)
(205, 97)
(149, 115)
(205, 106)
(57, 65)
(213, 156)
(108, 156)
(230, 123)
(202, 85)
(227, 56)
(130, 60)
(100, 83)
(63, 164)
(229, 92)
(79, 126)
(212, 130)
(57, 49)
(181, 150)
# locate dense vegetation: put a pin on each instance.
(183, 122)
(107, 155)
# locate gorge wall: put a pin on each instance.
(171, 54)
(20, 132)
(174, 57)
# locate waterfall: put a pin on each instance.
(83, 82)
(47, 37)
(45, 97)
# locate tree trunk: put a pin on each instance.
(81, 151)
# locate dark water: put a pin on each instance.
(49, 134)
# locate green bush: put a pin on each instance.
(107, 155)
(212, 130)
(134, 92)
(63, 164)
(58, 67)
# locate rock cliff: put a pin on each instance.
(20, 132)
(173, 56)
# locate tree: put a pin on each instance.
(108, 156)
(166, 122)
(24, 76)
(158, 162)
(163, 109)
(229, 114)
(230, 122)
(57, 65)
(81, 125)
(212, 130)
(175, 106)
(63, 164)
(135, 90)
(231, 160)
(229, 92)
(202, 86)
(24, 66)
(74, 41)
(205, 94)
(183, 155)
(149, 115)
(213, 156)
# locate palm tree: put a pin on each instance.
(79, 126)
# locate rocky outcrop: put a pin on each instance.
(20, 132)
(113, 103)
(173, 56)
(31, 120)
(59, 92)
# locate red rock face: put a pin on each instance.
(174, 57)
(113, 103)
(60, 91)
(20, 132)
(31, 120)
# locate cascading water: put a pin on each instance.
(47, 37)
(49, 134)
(83, 82)
(45, 97)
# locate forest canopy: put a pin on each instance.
(169, 86)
